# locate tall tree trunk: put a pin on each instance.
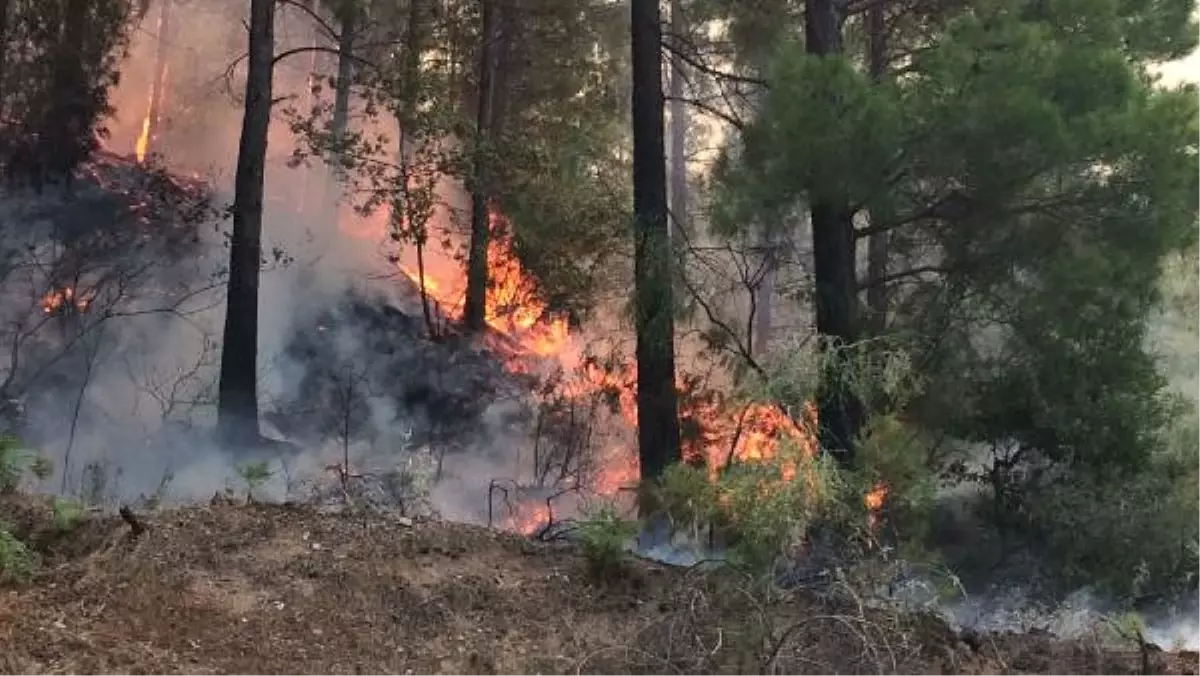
(658, 415)
(764, 294)
(475, 307)
(678, 224)
(348, 17)
(840, 413)
(69, 118)
(237, 408)
(410, 93)
(314, 42)
(877, 245)
(5, 10)
(154, 110)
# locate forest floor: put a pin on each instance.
(288, 589)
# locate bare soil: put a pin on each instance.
(287, 589)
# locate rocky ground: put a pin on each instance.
(288, 589)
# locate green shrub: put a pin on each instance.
(603, 535)
(254, 475)
(13, 461)
(1131, 536)
(16, 560)
(67, 514)
(763, 516)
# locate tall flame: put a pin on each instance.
(157, 90)
(514, 309)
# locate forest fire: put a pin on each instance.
(755, 433)
(512, 305)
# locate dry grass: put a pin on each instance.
(286, 589)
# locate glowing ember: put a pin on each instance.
(874, 500)
(57, 299)
(530, 518)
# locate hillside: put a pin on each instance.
(288, 589)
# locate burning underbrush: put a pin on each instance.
(124, 242)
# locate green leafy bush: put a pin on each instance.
(603, 535)
(254, 475)
(13, 460)
(762, 516)
(16, 560)
(66, 513)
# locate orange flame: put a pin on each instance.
(874, 500)
(512, 306)
(515, 310)
(57, 299)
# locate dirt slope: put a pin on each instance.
(288, 590)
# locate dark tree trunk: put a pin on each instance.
(764, 295)
(409, 100)
(4, 23)
(68, 123)
(658, 416)
(840, 413)
(475, 307)
(348, 17)
(679, 124)
(877, 245)
(237, 407)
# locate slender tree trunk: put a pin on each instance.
(658, 415)
(237, 407)
(839, 411)
(410, 95)
(348, 16)
(154, 111)
(764, 295)
(4, 23)
(878, 244)
(475, 308)
(309, 99)
(678, 223)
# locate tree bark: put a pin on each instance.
(877, 244)
(839, 411)
(764, 295)
(475, 307)
(68, 122)
(678, 223)
(237, 409)
(658, 417)
(154, 111)
(348, 18)
(5, 11)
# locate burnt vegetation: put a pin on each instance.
(571, 335)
